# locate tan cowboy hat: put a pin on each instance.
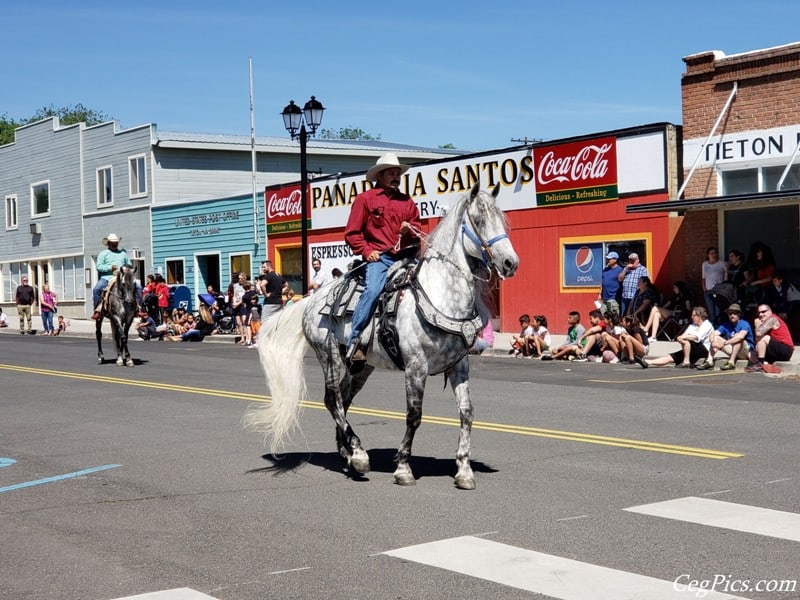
(386, 161)
(112, 237)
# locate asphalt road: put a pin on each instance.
(116, 482)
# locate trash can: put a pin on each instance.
(180, 297)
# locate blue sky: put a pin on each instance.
(473, 74)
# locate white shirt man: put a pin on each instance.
(319, 278)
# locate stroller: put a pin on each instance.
(724, 294)
(222, 317)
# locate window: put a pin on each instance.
(175, 271)
(138, 176)
(104, 192)
(240, 263)
(40, 199)
(761, 179)
(11, 212)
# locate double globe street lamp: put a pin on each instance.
(295, 121)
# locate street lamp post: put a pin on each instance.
(295, 121)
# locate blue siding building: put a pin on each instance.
(204, 243)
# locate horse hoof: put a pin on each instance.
(120, 362)
(99, 361)
(465, 482)
(129, 362)
(404, 479)
(360, 464)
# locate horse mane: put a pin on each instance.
(441, 241)
(443, 237)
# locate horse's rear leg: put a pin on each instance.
(459, 381)
(338, 400)
(415, 390)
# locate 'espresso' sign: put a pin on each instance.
(576, 172)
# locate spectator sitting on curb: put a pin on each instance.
(519, 343)
(575, 332)
(773, 342)
(695, 343)
(590, 342)
(734, 338)
(484, 340)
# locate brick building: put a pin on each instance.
(741, 159)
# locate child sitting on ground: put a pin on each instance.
(519, 343)
(62, 325)
(574, 332)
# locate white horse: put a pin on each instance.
(437, 319)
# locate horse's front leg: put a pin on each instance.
(98, 334)
(459, 381)
(123, 343)
(416, 376)
(116, 332)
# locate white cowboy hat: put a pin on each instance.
(386, 161)
(112, 237)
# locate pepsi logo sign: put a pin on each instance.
(584, 259)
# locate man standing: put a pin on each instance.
(271, 286)
(610, 285)
(381, 230)
(629, 278)
(319, 278)
(108, 262)
(26, 298)
(773, 342)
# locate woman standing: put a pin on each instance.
(47, 302)
(714, 272)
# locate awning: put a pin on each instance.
(718, 202)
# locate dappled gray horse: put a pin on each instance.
(437, 319)
(120, 312)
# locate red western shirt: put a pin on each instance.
(375, 219)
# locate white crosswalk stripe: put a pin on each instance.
(176, 594)
(727, 515)
(568, 579)
(546, 574)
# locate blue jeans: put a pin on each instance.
(714, 313)
(375, 280)
(97, 292)
(47, 321)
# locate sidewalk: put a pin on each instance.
(502, 341)
(502, 344)
(86, 328)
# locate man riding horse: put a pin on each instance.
(108, 261)
(381, 230)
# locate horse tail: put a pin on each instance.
(281, 346)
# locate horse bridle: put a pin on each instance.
(471, 231)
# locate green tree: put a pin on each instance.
(7, 127)
(347, 133)
(67, 115)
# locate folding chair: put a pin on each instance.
(672, 327)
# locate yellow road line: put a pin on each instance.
(667, 377)
(373, 412)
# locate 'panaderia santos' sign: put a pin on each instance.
(577, 172)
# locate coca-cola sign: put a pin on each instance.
(283, 209)
(583, 171)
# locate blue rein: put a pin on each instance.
(468, 229)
